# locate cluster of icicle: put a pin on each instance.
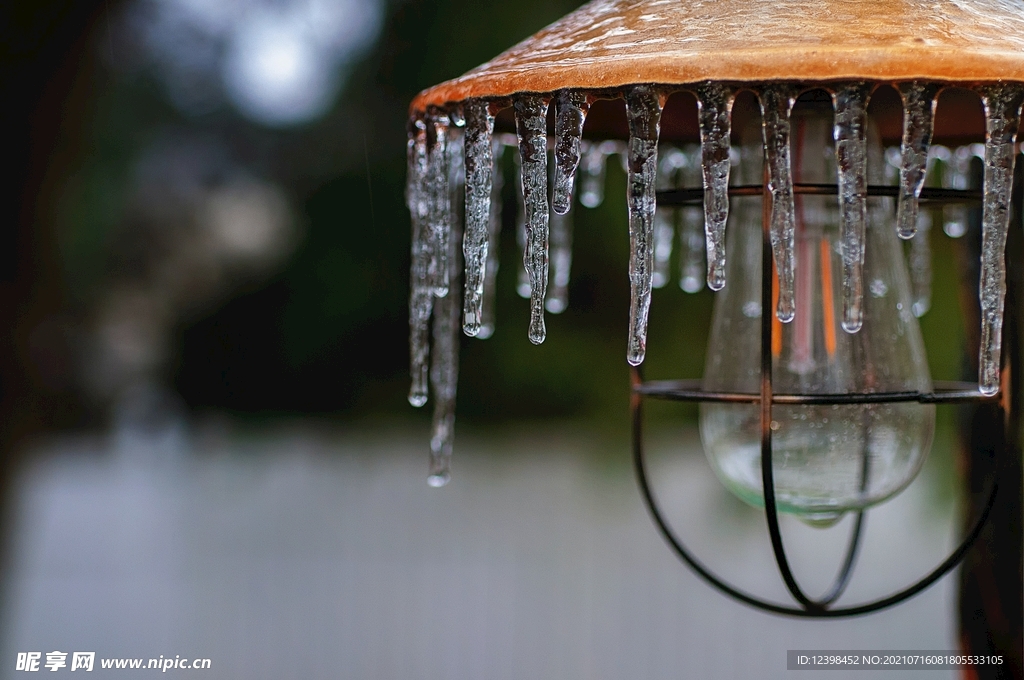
(454, 184)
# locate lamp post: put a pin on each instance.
(817, 312)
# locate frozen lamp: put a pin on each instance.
(816, 399)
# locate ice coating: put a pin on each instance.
(643, 113)
(444, 372)
(850, 132)
(493, 240)
(777, 101)
(918, 117)
(438, 202)
(421, 297)
(1002, 117)
(479, 162)
(571, 109)
(714, 106)
(531, 126)
(561, 262)
(670, 159)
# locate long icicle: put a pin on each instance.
(479, 177)
(776, 105)
(438, 201)
(571, 109)
(493, 239)
(421, 296)
(444, 371)
(1002, 118)
(643, 112)
(532, 128)
(919, 101)
(850, 132)
(714, 104)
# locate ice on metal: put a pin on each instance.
(714, 105)
(421, 296)
(777, 101)
(643, 113)
(571, 109)
(850, 132)
(479, 164)
(531, 126)
(918, 116)
(1002, 117)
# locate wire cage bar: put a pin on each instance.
(690, 390)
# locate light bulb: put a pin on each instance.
(827, 459)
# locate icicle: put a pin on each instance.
(776, 104)
(444, 370)
(921, 265)
(918, 115)
(532, 128)
(421, 297)
(522, 274)
(670, 160)
(714, 104)
(479, 176)
(643, 112)
(571, 109)
(438, 202)
(561, 262)
(593, 169)
(851, 109)
(1002, 117)
(493, 234)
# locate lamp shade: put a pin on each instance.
(614, 43)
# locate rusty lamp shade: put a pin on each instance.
(786, 53)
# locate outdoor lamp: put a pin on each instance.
(816, 398)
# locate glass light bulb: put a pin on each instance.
(827, 460)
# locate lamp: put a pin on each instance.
(824, 263)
